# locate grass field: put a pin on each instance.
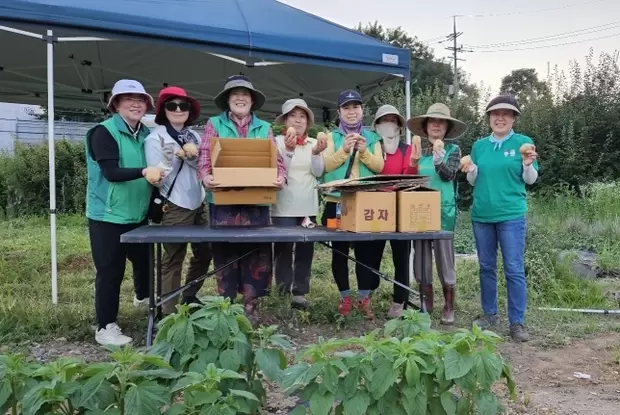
(561, 222)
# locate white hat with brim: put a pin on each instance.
(503, 106)
(441, 111)
(239, 81)
(388, 110)
(289, 106)
(127, 87)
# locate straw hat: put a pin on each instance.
(289, 106)
(456, 128)
(239, 81)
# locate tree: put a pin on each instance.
(525, 86)
(426, 70)
(73, 114)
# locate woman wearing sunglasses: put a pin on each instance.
(173, 146)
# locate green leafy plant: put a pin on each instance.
(411, 369)
(219, 334)
(15, 379)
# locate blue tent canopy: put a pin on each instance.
(192, 43)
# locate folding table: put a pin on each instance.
(156, 235)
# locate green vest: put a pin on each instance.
(118, 202)
(371, 139)
(225, 128)
(446, 189)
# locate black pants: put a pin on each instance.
(110, 256)
(293, 261)
(366, 279)
(400, 256)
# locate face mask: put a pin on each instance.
(388, 130)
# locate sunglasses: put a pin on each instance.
(173, 106)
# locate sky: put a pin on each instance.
(569, 29)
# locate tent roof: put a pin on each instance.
(266, 27)
(194, 44)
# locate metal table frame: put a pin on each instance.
(156, 235)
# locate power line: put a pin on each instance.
(557, 36)
(548, 46)
(549, 9)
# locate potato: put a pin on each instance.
(466, 161)
(438, 145)
(180, 153)
(153, 174)
(527, 147)
(321, 136)
(190, 150)
(291, 131)
(417, 140)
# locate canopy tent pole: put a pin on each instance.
(407, 116)
(52, 160)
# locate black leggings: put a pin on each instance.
(366, 279)
(110, 257)
(400, 257)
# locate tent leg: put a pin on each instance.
(52, 160)
(407, 116)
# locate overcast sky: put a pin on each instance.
(581, 24)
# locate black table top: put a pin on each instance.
(196, 233)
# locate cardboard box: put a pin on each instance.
(247, 168)
(419, 210)
(368, 212)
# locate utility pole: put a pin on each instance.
(455, 50)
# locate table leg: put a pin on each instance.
(159, 278)
(151, 315)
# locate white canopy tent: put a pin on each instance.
(90, 46)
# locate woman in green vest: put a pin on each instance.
(360, 148)
(251, 275)
(501, 165)
(117, 200)
(440, 161)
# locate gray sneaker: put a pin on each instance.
(299, 301)
(518, 333)
(485, 321)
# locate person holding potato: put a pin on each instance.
(352, 152)
(439, 160)
(250, 275)
(173, 146)
(298, 202)
(400, 158)
(119, 188)
(499, 168)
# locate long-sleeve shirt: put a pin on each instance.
(104, 150)
(204, 159)
(399, 163)
(448, 169)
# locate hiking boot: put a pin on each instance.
(518, 333)
(365, 309)
(448, 308)
(485, 321)
(427, 290)
(345, 306)
(299, 301)
(395, 311)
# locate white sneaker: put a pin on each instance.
(111, 335)
(140, 303)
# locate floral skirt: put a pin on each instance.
(251, 275)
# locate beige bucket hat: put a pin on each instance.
(239, 81)
(388, 110)
(289, 106)
(456, 128)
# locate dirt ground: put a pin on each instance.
(545, 377)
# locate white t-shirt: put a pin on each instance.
(187, 192)
(299, 198)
